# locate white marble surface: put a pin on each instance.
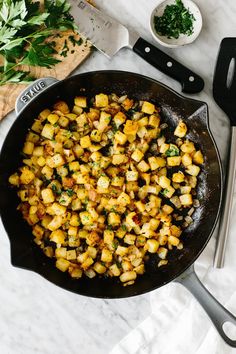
(38, 317)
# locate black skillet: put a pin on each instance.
(25, 254)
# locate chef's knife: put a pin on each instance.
(109, 36)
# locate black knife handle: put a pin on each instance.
(191, 82)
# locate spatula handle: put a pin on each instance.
(227, 203)
(190, 82)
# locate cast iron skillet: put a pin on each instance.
(25, 254)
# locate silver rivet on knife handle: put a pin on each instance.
(228, 193)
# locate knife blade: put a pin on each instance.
(109, 36)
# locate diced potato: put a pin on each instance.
(131, 127)
(62, 107)
(152, 245)
(31, 136)
(131, 176)
(106, 255)
(44, 114)
(186, 199)
(117, 181)
(113, 219)
(80, 101)
(120, 137)
(175, 230)
(148, 107)
(186, 160)
(154, 120)
(178, 177)
(120, 233)
(14, 179)
(104, 120)
(167, 209)
(103, 182)
(108, 236)
(142, 132)
(143, 166)
(164, 147)
(37, 126)
(52, 118)
(26, 176)
(185, 189)
(174, 241)
(71, 255)
(156, 162)
(140, 206)
(164, 182)
(48, 131)
(58, 236)
(85, 142)
(60, 252)
(162, 252)
(76, 273)
(115, 270)
(47, 172)
(193, 170)
(181, 129)
(187, 147)
(99, 268)
(122, 251)
(28, 148)
(128, 276)
(87, 263)
(78, 150)
(96, 135)
(130, 239)
(168, 192)
(127, 104)
(86, 218)
(62, 264)
(101, 100)
(174, 161)
(119, 118)
(119, 159)
(198, 157)
(123, 199)
(137, 155)
(143, 121)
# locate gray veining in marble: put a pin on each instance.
(38, 317)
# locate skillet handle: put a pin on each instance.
(32, 91)
(217, 313)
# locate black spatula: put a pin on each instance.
(224, 92)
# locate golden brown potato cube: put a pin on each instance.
(168, 192)
(37, 126)
(143, 121)
(148, 107)
(120, 137)
(96, 135)
(47, 195)
(106, 255)
(55, 223)
(115, 270)
(86, 218)
(103, 182)
(143, 166)
(127, 104)
(131, 127)
(117, 181)
(131, 176)
(76, 273)
(63, 121)
(142, 132)
(60, 252)
(58, 236)
(85, 142)
(62, 107)
(181, 129)
(62, 264)
(99, 268)
(137, 155)
(167, 209)
(101, 100)
(185, 189)
(178, 177)
(78, 150)
(164, 147)
(31, 136)
(162, 252)
(44, 114)
(186, 199)
(188, 147)
(186, 159)
(174, 241)
(113, 219)
(77, 110)
(38, 231)
(154, 121)
(193, 170)
(71, 255)
(198, 157)
(174, 161)
(175, 231)
(119, 159)
(48, 131)
(52, 118)
(128, 276)
(130, 239)
(152, 245)
(41, 161)
(80, 101)
(26, 176)
(28, 148)
(122, 251)
(14, 179)
(108, 236)
(123, 199)
(164, 181)
(119, 118)
(120, 233)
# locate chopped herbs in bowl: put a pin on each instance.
(176, 22)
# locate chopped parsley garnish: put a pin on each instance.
(70, 192)
(175, 20)
(56, 189)
(172, 151)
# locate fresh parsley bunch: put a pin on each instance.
(24, 27)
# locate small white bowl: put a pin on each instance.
(183, 39)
